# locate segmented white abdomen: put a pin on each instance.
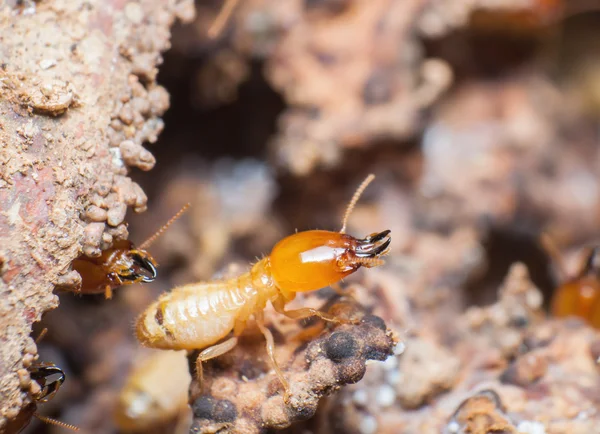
(195, 316)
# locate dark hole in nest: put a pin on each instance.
(237, 129)
(324, 199)
(505, 246)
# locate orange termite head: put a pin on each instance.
(311, 260)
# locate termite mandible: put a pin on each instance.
(122, 264)
(199, 316)
(49, 378)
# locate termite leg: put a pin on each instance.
(307, 312)
(210, 353)
(183, 423)
(271, 352)
(308, 333)
(238, 328)
(108, 292)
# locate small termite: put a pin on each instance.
(579, 294)
(199, 316)
(49, 377)
(155, 393)
(122, 264)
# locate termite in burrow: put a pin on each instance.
(122, 264)
(49, 378)
(155, 393)
(579, 294)
(199, 316)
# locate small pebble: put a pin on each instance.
(24, 378)
(92, 234)
(116, 214)
(136, 155)
(95, 213)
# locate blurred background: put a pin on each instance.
(480, 119)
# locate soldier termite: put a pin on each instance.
(155, 393)
(199, 316)
(122, 264)
(49, 377)
(579, 294)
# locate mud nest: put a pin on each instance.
(74, 111)
(243, 397)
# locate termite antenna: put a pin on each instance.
(552, 250)
(359, 191)
(370, 262)
(159, 232)
(41, 336)
(51, 421)
(224, 14)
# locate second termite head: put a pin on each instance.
(129, 264)
(50, 377)
(142, 268)
(311, 260)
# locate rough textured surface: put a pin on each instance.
(241, 396)
(77, 99)
(518, 373)
(352, 73)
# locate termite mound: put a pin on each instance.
(240, 388)
(74, 113)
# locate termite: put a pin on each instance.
(579, 294)
(122, 264)
(49, 377)
(155, 393)
(199, 316)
